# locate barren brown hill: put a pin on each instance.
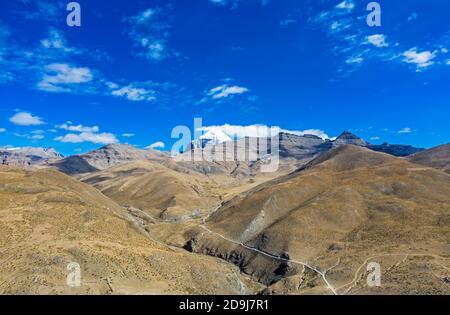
(105, 157)
(48, 220)
(438, 157)
(348, 207)
(159, 191)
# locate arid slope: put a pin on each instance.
(438, 157)
(48, 220)
(161, 192)
(342, 208)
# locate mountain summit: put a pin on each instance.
(349, 138)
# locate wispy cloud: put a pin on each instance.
(421, 59)
(288, 21)
(378, 40)
(135, 94)
(234, 4)
(31, 136)
(346, 5)
(43, 10)
(225, 91)
(61, 77)
(350, 41)
(57, 41)
(405, 130)
(79, 128)
(52, 65)
(149, 29)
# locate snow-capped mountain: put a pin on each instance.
(212, 137)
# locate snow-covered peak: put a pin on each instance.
(212, 137)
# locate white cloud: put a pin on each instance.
(157, 145)
(26, 119)
(79, 128)
(145, 16)
(43, 10)
(405, 130)
(57, 41)
(59, 76)
(378, 40)
(287, 22)
(2, 130)
(346, 5)
(413, 16)
(354, 60)
(128, 135)
(225, 91)
(375, 138)
(135, 94)
(237, 131)
(150, 32)
(219, 2)
(102, 138)
(345, 28)
(235, 3)
(155, 49)
(422, 59)
(36, 137)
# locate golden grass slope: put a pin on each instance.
(48, 220)
(161, 192)
(344, 207)
(438, 157)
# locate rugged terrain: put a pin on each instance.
(340, 209)
(139, 221)
(28, 156)
(48, 220)
(157, 190)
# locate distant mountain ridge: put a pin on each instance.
(105, 157)
(294, 150)
(28, 156)
(438, 157)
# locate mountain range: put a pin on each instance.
(143, 222)
(291, 146)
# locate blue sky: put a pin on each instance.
(136, 69)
